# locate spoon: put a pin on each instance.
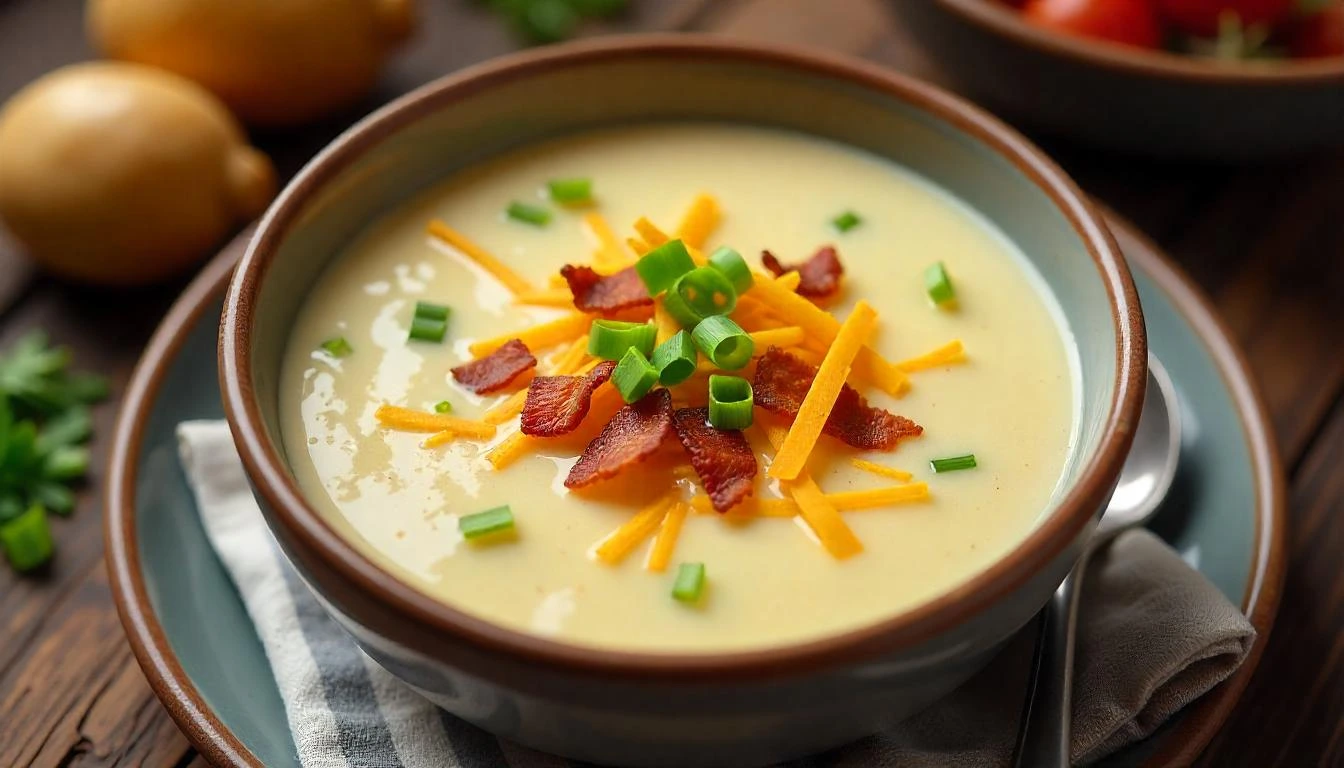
(1144, 481)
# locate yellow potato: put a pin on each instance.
(275, 62)
(122, 174)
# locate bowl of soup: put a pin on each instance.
(670, 401)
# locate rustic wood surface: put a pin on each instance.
(1266, 242)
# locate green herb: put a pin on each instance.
(337, 347)
(634, 376)
(846, 221)
(953, 463)
(443, 406)
(487, 523)
(529, 214)
(33, 377)
(723, 342)
(570, 191)
(938, 284)
(730, 402)
(690, 583)
(26, 539)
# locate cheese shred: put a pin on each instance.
(666, 540)
(541, 336)
(700, 221)
(407, 420)
(621, 541)
(512, 280)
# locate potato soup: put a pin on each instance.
(795, 506)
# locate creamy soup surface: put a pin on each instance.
(1012, 403)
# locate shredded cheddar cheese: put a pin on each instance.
(621, 541)
(949, 353)
(879, 497)
(506, 409)
(881, 469)
(821, 515)
(820, 399)
(610, 256)
(789, 336)
(666, 540)
(512, 280)
(638, 246)
(541, 336)
(651, 234)
(790, 280)
(569, 361)
(439, 438)
(667, 325)
(407, 420)
(551, 297)
(700, 221)
(509, 450)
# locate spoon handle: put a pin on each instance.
(1045, 738)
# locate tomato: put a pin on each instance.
(1319, 35)
(1200, 17)
(1122, 21)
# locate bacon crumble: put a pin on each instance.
(496, 370)
(819, 276)
(605, 295)
(721, 457)
(556, 405)
(782, 381)
(631, 436)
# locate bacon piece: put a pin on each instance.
(556, 405)
(632, 434)
(606, 295)
(721, 457)
(494, 371)
(819, 276)
(782, 381)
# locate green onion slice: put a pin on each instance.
(690, 583)
(846, 221)
(724, 342)
(734, 267)
(634, 376)
(431, 311)
(529, 214)
(487, 523)
(730, 402)
(427, 329)
(703, 292)
(675, 359)
(660, 267)
(609, 339)
(953, 463)
(938, 284)
(337, 347)
(26, 539)
(570, 191)
(443, 406)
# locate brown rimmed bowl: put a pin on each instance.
(737, 708)
(1125, 98)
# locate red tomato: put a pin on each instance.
(1122, 21)
(1200, 17)
(1319, 35)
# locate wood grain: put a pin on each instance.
(1267, 242)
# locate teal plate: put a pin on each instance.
(195, 642)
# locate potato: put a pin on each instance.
(275, 62)
(122, 174)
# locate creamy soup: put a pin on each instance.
(1011, 401)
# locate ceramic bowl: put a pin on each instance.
(624, 708)
(1119, 97)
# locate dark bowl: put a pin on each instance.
(1128, 99)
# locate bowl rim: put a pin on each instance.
(1003, 21)
(274, 483)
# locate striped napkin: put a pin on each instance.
(1154, 636)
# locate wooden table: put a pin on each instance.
(1267, 243)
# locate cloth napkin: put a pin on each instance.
(1154, 636)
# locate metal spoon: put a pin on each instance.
(1144, 481)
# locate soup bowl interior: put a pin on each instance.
(482, 112)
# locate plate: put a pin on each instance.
(194, 640)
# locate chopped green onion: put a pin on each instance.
(723, 342)
(660, 267)
(730, 402)
(733, 267)
(609, 339)
(27, 539)
(570, 191)
(690, 583)
(953, 463)
(675, 359)
(634, 376)
(846, 221)
(425, 329)
(431, 311)
(529, 214)
(337, 347)
(443, 406)
(938, 284)
(487, 523)
(703, 292)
